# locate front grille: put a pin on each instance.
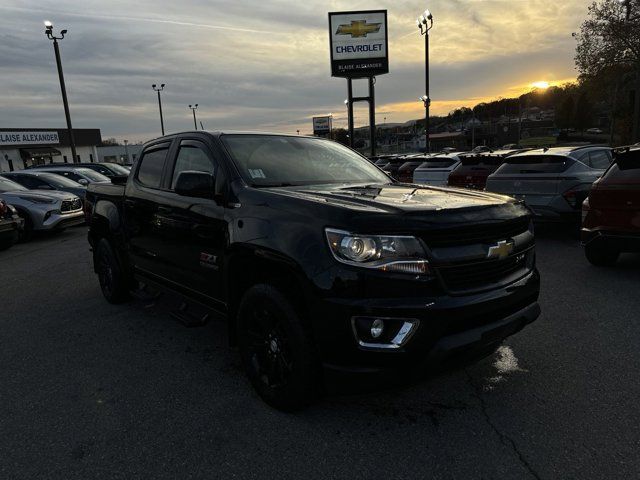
(485, 273)
(479, 233)
(71, 205)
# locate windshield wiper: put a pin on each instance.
(272, 185)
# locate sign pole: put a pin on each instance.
(372, 115)
(350, 106)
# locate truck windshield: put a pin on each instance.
(271, 160)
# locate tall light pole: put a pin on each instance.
(159, 89)
(48, 30)
(126, 150)
(349, 119)
(193, 109)
(425, 24)
(636, 106)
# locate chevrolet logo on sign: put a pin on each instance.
(358, 28)
(500, 250)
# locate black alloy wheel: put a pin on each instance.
(276, 348)
(268, 346)
(113, 282)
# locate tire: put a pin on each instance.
(113, 281)
(601, 256)
(27, 231)
(277, 352)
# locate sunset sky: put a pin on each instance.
(264, 65)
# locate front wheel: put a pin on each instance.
(113, 280)
(276, 348)
(601, 256)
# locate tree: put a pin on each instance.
(609, 40)
(108, 142)
(565, 113)
(584, 112)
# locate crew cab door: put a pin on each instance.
(193, 228)
(142, 205)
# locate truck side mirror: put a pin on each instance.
(195, 184)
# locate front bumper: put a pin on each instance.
(449, 326)
(57, 221)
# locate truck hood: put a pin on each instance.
(395, 198)
(50, 195)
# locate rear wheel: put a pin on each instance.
(601, 256)
(113, 281)
(276, 348)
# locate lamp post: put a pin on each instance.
(126, 150)
(425, 24)
(159, 89)
(349, 119)
(48, 30)
(193, 109)
(636, 106)
(331, 126)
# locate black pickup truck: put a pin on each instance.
(316, 258)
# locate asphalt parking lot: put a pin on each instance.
(92, 390)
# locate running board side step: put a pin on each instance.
(190, 319)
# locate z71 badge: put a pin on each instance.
(208, 261)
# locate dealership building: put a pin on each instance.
(24, 147)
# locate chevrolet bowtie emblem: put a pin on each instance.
(500, 250)
(358, 28)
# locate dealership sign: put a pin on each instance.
(321, 125)
(29, 138)
(359, 46)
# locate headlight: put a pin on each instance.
(389, 253)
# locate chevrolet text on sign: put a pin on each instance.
(29, 138)
(358, 42)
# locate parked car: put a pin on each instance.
(42, 210)
(340, 268)
(611, 213)
(553, 182)
(37, 180)
(393, 165)
(405, 171)
(435, 171)
(108, 169)
(81, 175)
(11, 225)
(473, 170)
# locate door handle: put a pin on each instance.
(162, 209)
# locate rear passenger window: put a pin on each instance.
(151, 166)
(191, 158)
(599, 159)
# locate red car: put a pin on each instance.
(405, 172)
(474, 169)
(611, 213)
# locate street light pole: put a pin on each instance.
(48, 30)
(159, 104)
(636, 106)
(193, 109)
(425, 24)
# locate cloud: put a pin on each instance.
(263, 65)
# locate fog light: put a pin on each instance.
(377, 327)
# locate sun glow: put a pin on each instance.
(541, 85)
